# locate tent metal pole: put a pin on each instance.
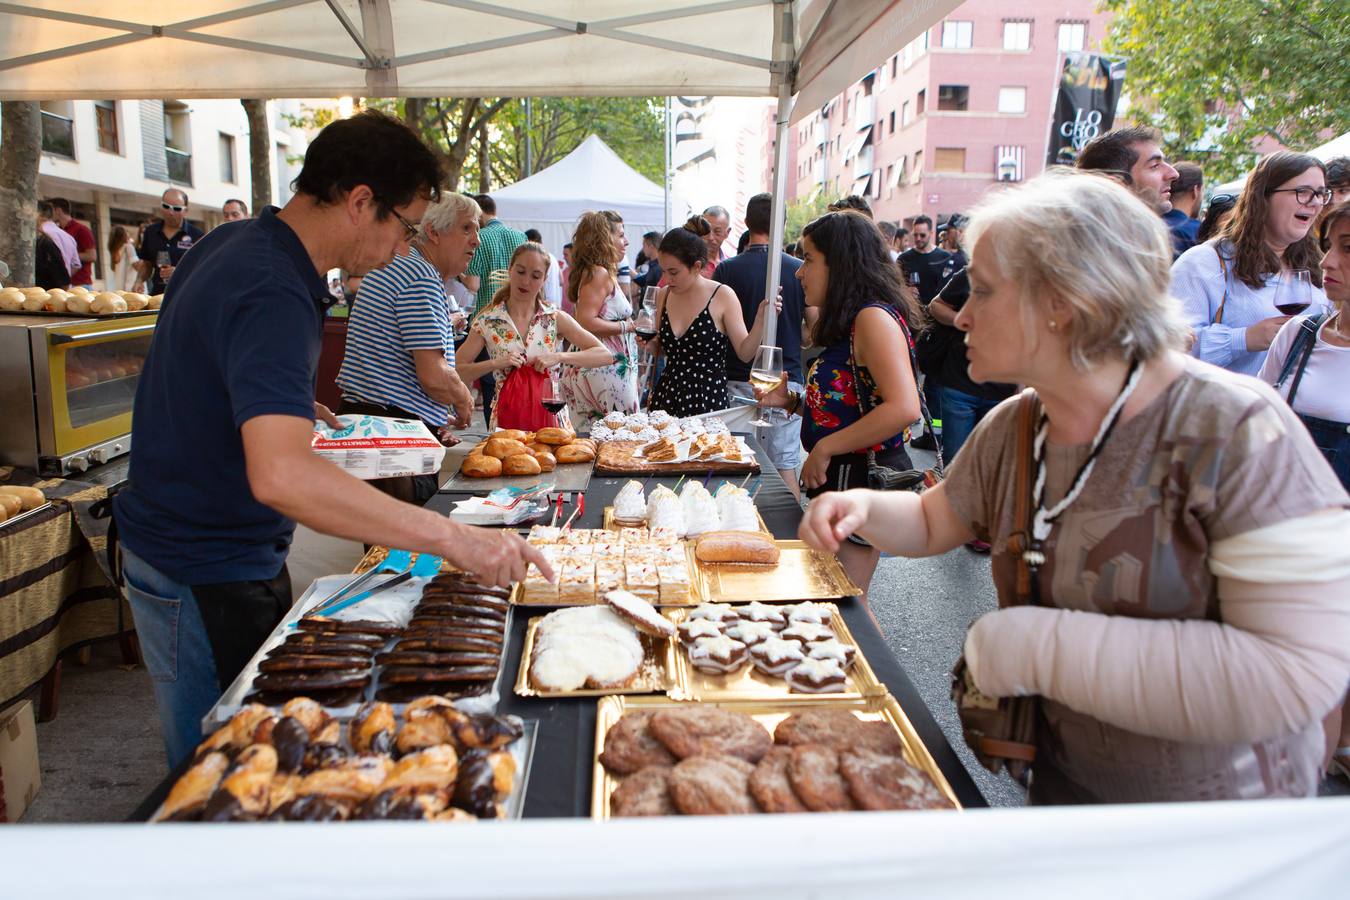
(665, 181)
(785, 62)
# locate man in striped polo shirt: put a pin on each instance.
(497, 241)
(400, 353)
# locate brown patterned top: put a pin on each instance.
(1215, 455)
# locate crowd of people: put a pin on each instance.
(1166, 531)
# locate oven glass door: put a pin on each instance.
(93, 369)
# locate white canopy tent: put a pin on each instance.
(1339, 146)
(590, 177)
(810, 49)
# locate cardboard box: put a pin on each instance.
(379, 447)
(20, 776)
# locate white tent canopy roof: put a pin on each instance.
(591, 177)
(64, 49)
(1339, 146)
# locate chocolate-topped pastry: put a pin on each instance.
(750, 633)
(690, 730)
(630, 745)
(455, 629)
(431, 658)
(363, 626)
(644, 793)
(458, 584)
(402, 693)
(420, 674)
(815, 613)
(309, 662)
(884, 781)
(712, 786)
(693, 629)
(465, 599)
(807, 632)
(763, 612)
(813, 770)
(445, 643)
(718, 655)
(299, 682)
(441, 623)
(833, 649)
(329, 698)
(333, 639)
(459, 611)
(817, 676)
(776, 655)
(716, 612)
(485, 779)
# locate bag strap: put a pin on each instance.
(866, 408)
(1223, 267)
(1028, 414)
(1299, 352)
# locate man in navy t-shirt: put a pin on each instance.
(748, 275)
(221, 467)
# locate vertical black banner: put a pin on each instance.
(1089, 88)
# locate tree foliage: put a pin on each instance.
(800, 213)
(1218, 76)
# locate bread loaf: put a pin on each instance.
(478, 466)
(35, 300)
(547, 461)
(521, 464)
(554, 436)
(30, 497)
(11, 300)
(135, 301)
(736, 547)
(79, 302)
(10, 505)
(155, 301)
(574, 453)
(503, 447)
(509, 434)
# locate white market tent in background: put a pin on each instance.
(590, 177)
(1330, 150)
(809, 50)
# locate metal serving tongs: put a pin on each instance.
(397, 561)
(426, 566)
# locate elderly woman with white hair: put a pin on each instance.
(1172, 574)
(400, 356)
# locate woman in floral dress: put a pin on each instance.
(519, 308)
(603, 310)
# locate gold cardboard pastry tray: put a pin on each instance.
(654, 676)
(800, 574)
(693, 598)
(768, 713)
(610, 524)
(751, 684)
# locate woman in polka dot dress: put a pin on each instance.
(698, 319)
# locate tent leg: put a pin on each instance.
(779, 207)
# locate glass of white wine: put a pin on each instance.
(765, 373)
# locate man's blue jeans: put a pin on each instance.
(961, 412)
(177, 653)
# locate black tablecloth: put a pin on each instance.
(560, 775)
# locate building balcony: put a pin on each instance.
(864, 111)
(58, 135)
(179, 165)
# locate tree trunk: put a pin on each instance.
(484, 162)
(259, 153)
(20, 153)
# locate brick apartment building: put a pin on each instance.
(964, 106)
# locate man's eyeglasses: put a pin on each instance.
(177, 209)
(409, 227)
(1306, 195)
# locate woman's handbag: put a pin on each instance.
(885, 478)
(520, 401)
(1001, 731)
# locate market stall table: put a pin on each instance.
(560, 777)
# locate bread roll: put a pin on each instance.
(9, 506)
(538, 448)
(477, 466)
(80, 289)
(574, 453)
(79, 303)
(105, 303)
(736, 547)
(510, 434)
(30, 497)
(155, 301)
(503, 447)
(547, 461)
(136, 301)
(554, 436)
(11, 300)
(521, 464)
(35, 301)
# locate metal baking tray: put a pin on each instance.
(800, 574)
(654, 676)
(748, 683)
(768, 713)
(564, 477)
(19, 517)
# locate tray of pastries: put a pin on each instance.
(761, 650)
(589, 562)
(728, 567)
(621, 647)
(655, 757)
(515, 458)
(693, 511)
(433, 761)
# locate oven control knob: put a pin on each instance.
(77, 464)
(98, 456)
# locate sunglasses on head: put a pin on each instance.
(172, 207)
(1223, 198)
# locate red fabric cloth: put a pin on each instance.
(84, 240)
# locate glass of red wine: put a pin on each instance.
(553, 400)
(1294, 292)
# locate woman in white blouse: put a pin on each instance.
(1227, 286)
(125, 277)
